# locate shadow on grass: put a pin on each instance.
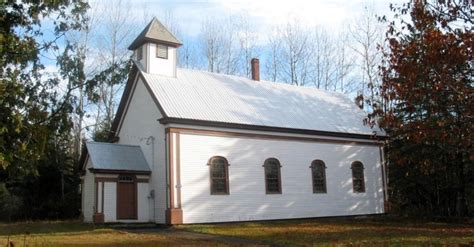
(47, 227)
(74, 233)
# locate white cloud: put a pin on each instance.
(191, 13)
(276, 12)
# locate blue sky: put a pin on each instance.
(189, 14)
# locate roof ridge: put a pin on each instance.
(270, 83)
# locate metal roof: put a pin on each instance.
(111, 156)
(157, 33)
(200, 95)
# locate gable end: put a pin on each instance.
(134, 76)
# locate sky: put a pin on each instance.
(189, 14)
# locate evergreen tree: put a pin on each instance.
(428, 89)
(35, 109)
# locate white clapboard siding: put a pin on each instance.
(156, 65)
(140, 127)
(88, 194)
(142, 203)
(110, 201)
(247, 199)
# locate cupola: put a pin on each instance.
(155, 49)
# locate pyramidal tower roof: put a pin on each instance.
(157, 33)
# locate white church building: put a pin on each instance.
(196, 147)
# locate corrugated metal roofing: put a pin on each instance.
(200, 95)
(154, 31)
(111, 156)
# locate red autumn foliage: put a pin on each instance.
(427, 90)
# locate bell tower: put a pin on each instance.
(155, 49)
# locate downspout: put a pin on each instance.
(384, 178)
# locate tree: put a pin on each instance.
(290, 53)
(28, 102)
(220, 44)
(367, 35)
(273, 66)
(113, 37)
(296, 49)
(212, 44)
(35, 109)
(323, 59)
(247, 36)
(344, 60)
(428, 85)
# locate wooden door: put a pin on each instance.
(126, 199)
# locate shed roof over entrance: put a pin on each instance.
(117, 158)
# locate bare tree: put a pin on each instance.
(231, 45)
(299, 55)
(188, 55)
(294, 50)
(85, 49)
(114, 34)
(212, 44)
(323, 59)
(228, 43)
(274, 64)
(344, 63)
(367, 34)
(247, 36)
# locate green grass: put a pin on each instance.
(70, 233)
(378, 231)
(343, 231)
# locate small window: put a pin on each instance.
(140, 53)
(272, 176)
(318, 170)
(126, 179)
(358, 182)
(162, 51)
(219, 175)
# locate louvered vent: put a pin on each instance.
(162, 51)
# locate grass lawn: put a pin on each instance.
(70, 233)
(379, 231)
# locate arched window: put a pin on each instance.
(272, 176)
(219, 175)
(358, 182)
(318, 171)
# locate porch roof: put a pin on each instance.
(117, 158)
